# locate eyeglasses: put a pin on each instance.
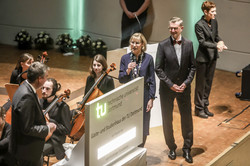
(173, 28)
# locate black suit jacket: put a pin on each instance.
(28, 125)
(167, 67)
(61, 116)
(208, 39)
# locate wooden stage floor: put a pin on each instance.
(209, 139)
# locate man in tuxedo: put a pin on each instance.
(206, 30)
(28, 125)
(175, 68)
(59, 114)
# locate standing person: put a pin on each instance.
(133, 18)
(59, 114)
(28, 125)
(97, 68)
(206, 30)
(175, 68)
(137, 63)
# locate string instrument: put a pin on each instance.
(78, 120)
(11, 88)
(58, 99)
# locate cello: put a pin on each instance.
(11, 88)
(58, 99)
(78, 121)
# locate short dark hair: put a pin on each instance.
(36, 70)
(207, 5)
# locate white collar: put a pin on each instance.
(33, 88)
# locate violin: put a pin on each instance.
(78, 121)
(13, 87)
(58, 99)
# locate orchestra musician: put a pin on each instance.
(59, 114)
(17, 77)
(97, 84)
(28, 125)
(22, 65)
(97, 68)
(5, 158)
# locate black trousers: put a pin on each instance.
(203, 84)
(184, 103)
(30, 163)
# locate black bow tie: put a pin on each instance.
(176, 42)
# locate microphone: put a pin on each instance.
(133, 59)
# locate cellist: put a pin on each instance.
(22, 65)
(97, 68)
(98, 83)
(59, 114)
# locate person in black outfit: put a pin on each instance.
(60, 115)
(5, 157)
(206, 30)
(17, 77)
(175, 67)
(28, 125)
(133, 18)
(97, 68)
(22, 65)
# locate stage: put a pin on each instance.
(211, 136)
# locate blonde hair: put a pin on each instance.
(142, 38)
(176, 20)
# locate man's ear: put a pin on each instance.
(205, 12)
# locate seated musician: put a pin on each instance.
(5, 158)
(22, 65)
(60, 115)
(97, 68)
(16, 77)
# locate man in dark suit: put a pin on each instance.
(28, 125)
(59, 114)
(210, 43)
(175, 68)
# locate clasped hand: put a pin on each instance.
(178, 89)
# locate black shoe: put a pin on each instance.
(172, 154)
(187, 156)
(201, 114)
(208, 112)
